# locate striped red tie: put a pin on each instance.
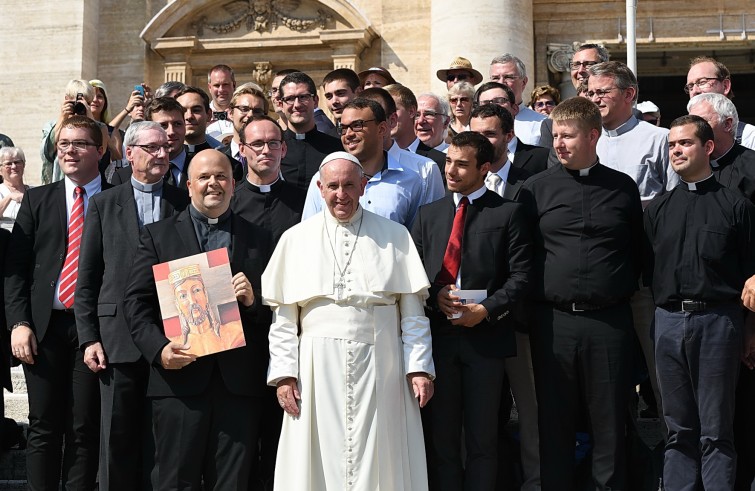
(71, 265)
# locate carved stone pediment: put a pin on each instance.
(240, 17)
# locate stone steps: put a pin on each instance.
(16, 402)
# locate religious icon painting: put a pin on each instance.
(197, 302)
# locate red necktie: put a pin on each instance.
(452, 257)
(71, 265)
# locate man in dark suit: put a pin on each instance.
(110, 240)
(247, 102)
(470, 240)
(205, 409)
(40, 278)
(5, 380)
(170, 114)
(497, 125)
(306, 145)
(531, 158)
(197, 115)
(275, 205)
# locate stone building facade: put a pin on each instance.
(124, 42)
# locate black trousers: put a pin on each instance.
(468, 394)
(127, 447)
(210, 438)
(63, 403)
(263, 469)
(582, 365)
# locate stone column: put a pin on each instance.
(480, 30)
(178, 72)
(559, 60)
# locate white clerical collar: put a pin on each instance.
(146, 187)
(583, 172)
(714, 162)
(692, 186)
(300, 136)
(193, 147)
(264, 188)
(471, 196)
(624, 128)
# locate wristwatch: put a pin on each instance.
(19, 324)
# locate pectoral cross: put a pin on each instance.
(339, 287)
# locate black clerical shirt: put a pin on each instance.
(212, 233)
(304, 155)
(275, 208)
(736, 170)
(588, 235)
(702, 240)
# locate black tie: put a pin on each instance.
(169, 177)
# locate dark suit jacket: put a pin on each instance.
(531, 158)
(496, 256)
(239, 171)
(514, 182)
(436, 155)
(35, 256)
(110, 240)
(243, 369)
(5, 356)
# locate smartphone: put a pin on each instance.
(139, 89)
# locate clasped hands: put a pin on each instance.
(450, 304)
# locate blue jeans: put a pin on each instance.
(697, 362)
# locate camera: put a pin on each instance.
(220, 115)
(79, 107)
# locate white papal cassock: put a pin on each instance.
(359, 426)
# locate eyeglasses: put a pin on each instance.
(429, 115)
(257, 111)
(272, 92)
(259, 145)
(453, 77)
(505, 79)
(64, 145)
(702, 83)
(356, 126)
(153, 149)
(498, 101)
(599, 93)
(303, 98)
(456, 100)
(14, 162)
(542, 104)
(586, 64)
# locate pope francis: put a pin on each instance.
(350, 346)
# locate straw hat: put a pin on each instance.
(378, 70)
(460, 63)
